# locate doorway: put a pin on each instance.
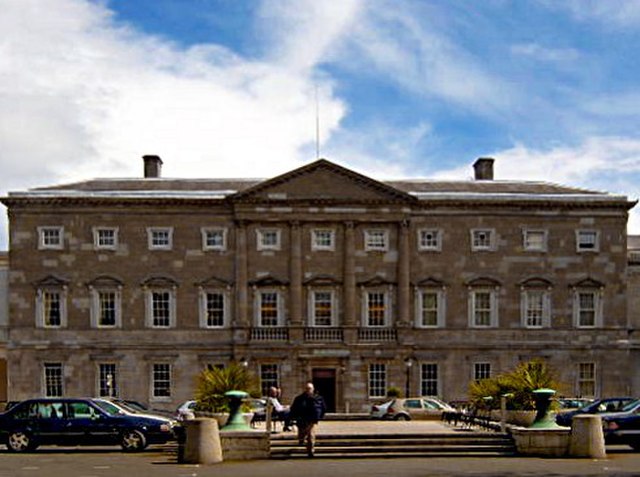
(324, 380)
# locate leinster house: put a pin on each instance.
(130, 287)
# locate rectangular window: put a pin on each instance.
(322, 239)
(534, 308)
(269, 309)
(214, 238)
(52, 309)
(268, 239)
(586, 379)
(322, 308)
(161, 380)
(50, 238)
(107, 308)
(53, 379)
(429, 239)
(161, 309)
(587, 240)
(377, 380)
(376, 240)
(481, 371)
(376, 308)
(215, 307)
(535, 240)
(482, 308)
(429, 308)
(429, 379)
(587, 309)
(268, 377)
(160, 238)
(107, 380)
(105, 238)
(482, 239)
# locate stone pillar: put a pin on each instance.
(404, 275)
(349, 279)
(202, 445)
(295, 275)
(242, 295)
(587, 438)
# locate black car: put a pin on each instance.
(623, 427)
(615, 404)
(68, 421)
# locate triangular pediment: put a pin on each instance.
(322, 181)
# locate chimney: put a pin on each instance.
(152, 167)
(484, 168)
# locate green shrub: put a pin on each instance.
(394, 392)
(211, 384)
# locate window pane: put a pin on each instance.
(587, 308)
(214, 238)
(107, 380)
(161, 377)
(51, 304)
(429, 309)
(268, 309)
(586, 379)
(53, 379)
(215, 309)
(482, 308)
(106, 238)
(535, 308)
(377, 380)
(376, 309)
(268, 377)
(429, 379)
(107, 308)
(481, 371)
(322, 308)
(161, 308)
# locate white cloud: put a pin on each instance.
(625, 13)
(541, 53)
(609, 164)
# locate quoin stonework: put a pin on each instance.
(131, 287)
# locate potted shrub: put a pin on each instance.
(213, 383)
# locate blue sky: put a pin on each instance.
(227, 88)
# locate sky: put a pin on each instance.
(401, 88)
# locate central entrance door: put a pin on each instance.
(324, 380)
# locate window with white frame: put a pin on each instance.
(429, 379)
(268, 239)
(430, 308)
(53, 379)
(269, 377)
(481, 371)
(534, 240)
(376, 308)
(587, 308)
(50, 238)
(483, 308)
(376, 240)
(430, 239)
(587, 240)
(161, 308)
(377, 380)
(213, 308)
(214, 238)
(268, 308)
(322, 307)
(105, 238)
(160, 238)
(51, 307)
(161, 381)
(105, 307)
(107, 380)
(323, 239)
(536, 308)
(586, 379)
(482, 239)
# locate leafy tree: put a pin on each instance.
(212, 383)
(519, 383)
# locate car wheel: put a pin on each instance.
(20, 441)
(402, 417)
(133, 441)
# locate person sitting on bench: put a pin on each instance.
(280, 412)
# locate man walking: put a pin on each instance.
(307, 409)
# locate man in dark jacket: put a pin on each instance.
(307, 409)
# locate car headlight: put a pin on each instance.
(165, 427)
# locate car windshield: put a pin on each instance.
(631, 406)
(108, 407)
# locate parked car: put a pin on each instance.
(623, 427)
(568, 404)
(68, 421)
(186, 411)
(599, 406)
(417, 408)
(138, 408)
(379, 411)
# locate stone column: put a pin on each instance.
(349, 279)
(404, 275)
(242, 296)
(295, 275)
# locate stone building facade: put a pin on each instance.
(131, 287)
(4, 319)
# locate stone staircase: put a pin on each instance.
(467, 444)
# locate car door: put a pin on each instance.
(430, 410)
(87, 424)
(414, 408)
(48, 422)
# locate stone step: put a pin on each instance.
(385, 442)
